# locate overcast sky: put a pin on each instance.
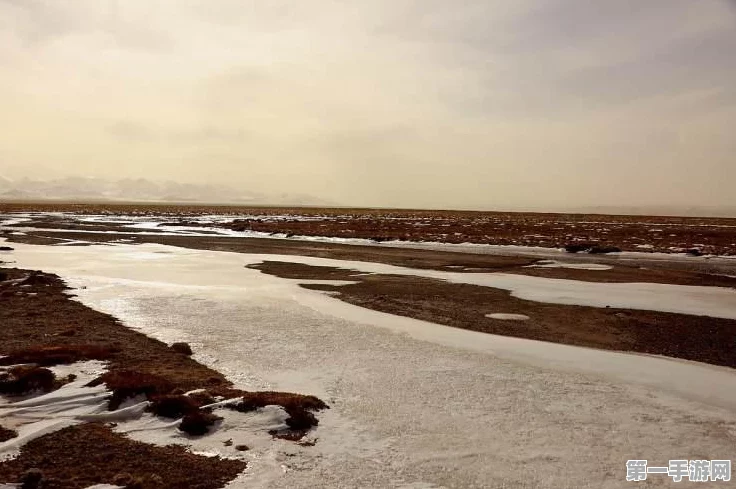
(421, 103)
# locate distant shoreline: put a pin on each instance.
(694, 212)
(593, 233)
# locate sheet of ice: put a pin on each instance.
(506, 316)
(74, 403)
(155, 226)
(73, 242)
(39, 415)
(13, 221)
(702, 301)
(145, 225)
(264, 455)
(414, 404)
(574, 266)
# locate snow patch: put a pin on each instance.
(72, 404)
(574, 266)
(683, 299)
(392, 382)
(503, 316)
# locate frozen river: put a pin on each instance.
(414, 405)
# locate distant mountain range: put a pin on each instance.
(141, 190)
(86, 189)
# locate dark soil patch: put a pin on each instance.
(198, 423)
(182, 348)
(57, 355)
(81, 456)
(125, 384)
(592, 248)
(7, 434)
(195, 421)
(699, 338)
(552, 230)
(201, 398)
(577, 247)
(255, 400)
(173, 406)
(607, 234)
(25, 379)
(602, 250)
(299, 408)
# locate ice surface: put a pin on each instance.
(414, 404)
(574, 266)
(73, 242)
(703, 301)
(42, 414)
(150, 226)
(505, 316)
(696, 300)
(14, 221)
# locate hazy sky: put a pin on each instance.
(426, 103)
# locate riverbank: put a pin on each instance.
(43, 327)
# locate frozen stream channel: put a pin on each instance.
(414, 405)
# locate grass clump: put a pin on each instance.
(7, 434)
(47, 356)
(299, 408)
(125, 384)
(25, 379)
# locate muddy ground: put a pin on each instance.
(699, 338)
(628, 233)
(696, 272)
(465, 306)
(90, 454)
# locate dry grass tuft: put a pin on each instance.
(195, 421)
(173, 406)
(24, 379)
(47, 356)
(201, 398)
(89, 454)
(7, 434)
(290, 435)
(255, 400)
(125, 384)
(300, 419)
(297, 406)
(182, 348)
(198, 422)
